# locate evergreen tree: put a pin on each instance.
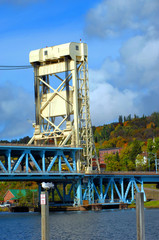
(120, 119)
(135, 150)
(129, 117)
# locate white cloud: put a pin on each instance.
(108, 71)
(109, 18)
(16, 107)
(107, 103)
(129, 83)
(140, 56)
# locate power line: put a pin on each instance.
(15, 65)
(9, 67)
(6, 69)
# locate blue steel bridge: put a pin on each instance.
(59, 165)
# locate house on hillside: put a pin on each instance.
(103, 152)
(142, 161)
(13, 195)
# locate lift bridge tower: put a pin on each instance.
(62, 110)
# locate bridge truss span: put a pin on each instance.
(36, 160)
(59, 165)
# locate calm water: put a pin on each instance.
(106, 224)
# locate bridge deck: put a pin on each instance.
(59, 165)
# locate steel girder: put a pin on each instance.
(112, 190)
(106, 190)
(89, 190)
(78, 193)
(103, 190)
(30, 160)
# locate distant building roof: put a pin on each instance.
(18, 193)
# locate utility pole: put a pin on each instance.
(140, 216)
(44, 201)
(44, 215)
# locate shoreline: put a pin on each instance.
(153, 204)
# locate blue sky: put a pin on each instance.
(123, 44)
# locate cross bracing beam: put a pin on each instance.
(60, 195)
(116, 189)
(62, 110)
(34, 160)
(89, 191)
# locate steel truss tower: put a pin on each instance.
(62, 99)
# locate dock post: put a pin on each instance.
(44, 216)
(140, 216)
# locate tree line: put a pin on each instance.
(138, 138)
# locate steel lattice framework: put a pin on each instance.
(62, 100)
(34, 160)
(59, 165)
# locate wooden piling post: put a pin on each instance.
(140, 216)
(44, 216)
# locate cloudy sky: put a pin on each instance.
(123, 43)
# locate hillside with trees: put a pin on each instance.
(138, 138)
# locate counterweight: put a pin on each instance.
(62, 109)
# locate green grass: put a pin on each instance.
(150, 204)
(132, 205)
(153, 186)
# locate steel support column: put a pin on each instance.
(78, 193)
(112, 191)
(101, 199)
